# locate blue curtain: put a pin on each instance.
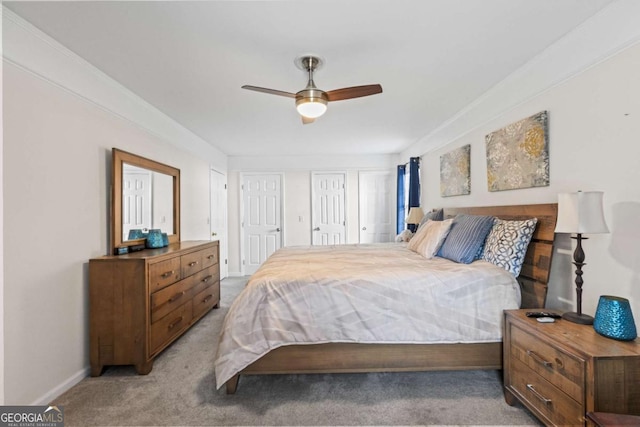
(414, 186)
(400, 212)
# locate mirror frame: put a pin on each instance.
(118, 158)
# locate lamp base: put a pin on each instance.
(583, 319)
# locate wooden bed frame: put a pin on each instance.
(353, 357)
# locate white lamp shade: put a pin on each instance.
(581, 212)
(415, 215)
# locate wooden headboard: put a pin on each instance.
(534, 276)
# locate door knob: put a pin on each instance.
(278, 229)
(214, 234)
(316, 229)
(364, 228)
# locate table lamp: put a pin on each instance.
(580, 213)
(414, 218)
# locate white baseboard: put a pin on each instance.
(52, 394)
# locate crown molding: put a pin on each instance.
(27, 47)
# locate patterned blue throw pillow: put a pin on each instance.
(507, 243)
(467, 235)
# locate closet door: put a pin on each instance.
(376, 216)
(328, 208)
(262, 218)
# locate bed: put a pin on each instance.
(291, 350)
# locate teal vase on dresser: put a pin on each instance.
(155, 239)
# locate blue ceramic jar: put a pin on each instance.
(154, 239)
(614, 318)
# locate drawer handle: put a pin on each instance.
(167, 274)
(210, 257)
(206, 279)
(538, 395)
(176, 297)
(191, 264)
(207, 298)
(174, 323)
(535, 356)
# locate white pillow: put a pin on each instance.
(417, 237)
(433, 234)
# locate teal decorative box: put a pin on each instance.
(614, 319)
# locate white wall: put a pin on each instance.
(61, 118)
(594, 144)
(57, 173)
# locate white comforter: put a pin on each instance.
(377, 293)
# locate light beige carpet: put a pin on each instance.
(180, 391)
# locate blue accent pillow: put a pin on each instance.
(507, 244)
(466, 237)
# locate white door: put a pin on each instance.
(218, 215)
(376, 207)
(328, 209)
(262, 221)
(136, 200)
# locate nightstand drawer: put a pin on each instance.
(559, 368)
(556, 406)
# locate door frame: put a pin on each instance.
(346, 192)
(241, 204)
(224, 245)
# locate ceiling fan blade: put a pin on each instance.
(307, 120)
(353, 92)
(270, 91)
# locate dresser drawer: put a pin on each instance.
(168, 299)
(564, 370)
(206, 299)
(191, 263)
(552, 403)
(205, 278)
(170, 326)
(209, 257)
(164, 273)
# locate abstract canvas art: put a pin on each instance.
(455, 172)
(518, 154)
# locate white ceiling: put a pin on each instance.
(189, 59)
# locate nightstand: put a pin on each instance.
(562, 370)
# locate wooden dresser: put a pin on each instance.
(562, 370)
(141, 302)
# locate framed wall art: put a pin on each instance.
(518, 154)
(455, 172)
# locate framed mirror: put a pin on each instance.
(145, 195)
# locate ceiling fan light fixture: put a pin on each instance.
(311, 102)
(311, 107)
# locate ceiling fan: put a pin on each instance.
(311, 102)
